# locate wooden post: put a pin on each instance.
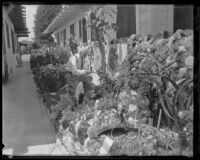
(159, 119)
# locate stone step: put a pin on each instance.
(54, 149)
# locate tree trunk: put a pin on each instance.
(102, 50)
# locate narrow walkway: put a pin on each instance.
(26, 126)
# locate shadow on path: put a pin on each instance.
(25, 120)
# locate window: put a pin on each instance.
(13, 41)
(80, 29)
(126, 21)
(64, 36)
(8, 35)
(72, 29)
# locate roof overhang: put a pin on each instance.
(68, 13)
(9, 7)
(18, 18)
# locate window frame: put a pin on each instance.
(80, 29)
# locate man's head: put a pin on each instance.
(83, 51)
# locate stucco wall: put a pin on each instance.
(11, 58)
(154, 18)
(149, 19)
(80, 16)
(66, 26)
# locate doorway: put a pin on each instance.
(183, 17)
(126, 20)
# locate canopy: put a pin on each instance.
(68, 13)
(18, 18)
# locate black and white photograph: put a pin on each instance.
(97, 79)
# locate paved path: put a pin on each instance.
(26, 126)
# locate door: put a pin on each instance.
(84, 30)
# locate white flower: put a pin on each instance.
(120, 106)
(132, 107)
(123, 94)
(168, 60)
(189, 61)
(150, 137)
(180, 114)
(90, 122)
(174, 65)
(133, 93)
(181, 49)
(96, 103)
(182, 72)
(130, 120)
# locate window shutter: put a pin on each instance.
(13, 43)
(80, 29)
(84, 30)
(64, 35)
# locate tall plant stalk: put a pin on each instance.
(100, 27)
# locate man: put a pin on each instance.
(18, 57)
(75, 65)
(22, 51)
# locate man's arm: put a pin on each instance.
(74, 69)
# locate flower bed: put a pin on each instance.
(149, 103)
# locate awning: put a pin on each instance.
(18, 18)
(68, 13)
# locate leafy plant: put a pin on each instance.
(50, 78)
(99, 27)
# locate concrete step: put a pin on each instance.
(38, 150)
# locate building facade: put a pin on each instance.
(131, 19)
(13, 26)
